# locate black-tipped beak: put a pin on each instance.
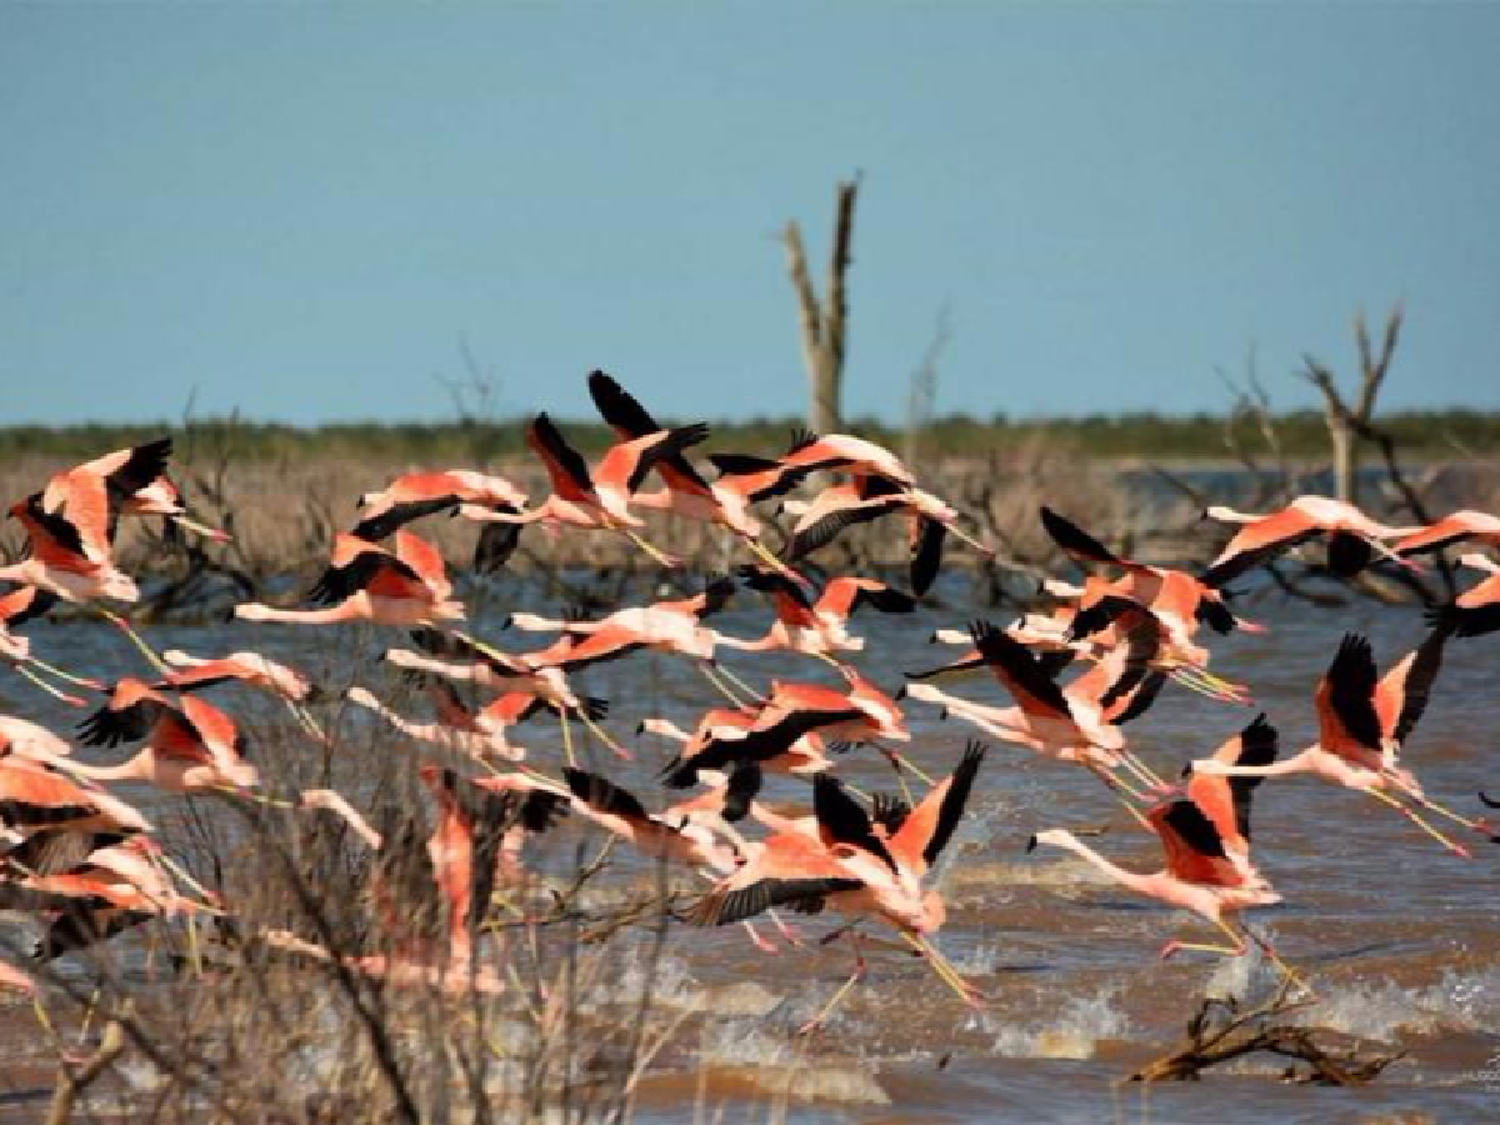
(640, 727)
(1031, 844)
(317, 693)
(900, 693)
(943, 715)
(506, 623)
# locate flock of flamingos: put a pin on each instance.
(88, 865)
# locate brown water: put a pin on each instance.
(1399, 937)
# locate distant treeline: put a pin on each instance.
(1451, 434)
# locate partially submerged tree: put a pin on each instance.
(824, 319)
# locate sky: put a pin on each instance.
(305, 213)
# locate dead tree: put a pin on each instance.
(1348, 426)
(1220, 1032)
(824, 319)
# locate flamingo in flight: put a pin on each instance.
(1476, 611)
(469, 660)
(1362, 723)
(856, 865)
(792, 712)
(724, 502)
(1353, 537)
(414, 495)
(430, 895)
(133, 481)
(1199, 875)
(407, 586)
(1459, 527)
(61, 562)
(189, 744)
(869, 497)
(1178, 597)
(817, 628)
(803, 756)
(600, 499)
(674, 625)
(1079, 723)
(481, 733)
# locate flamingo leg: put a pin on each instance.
(1270, 953)
(603, 736)
(1142, 771)
(258, 798)
(788, 934)
(1475, 825)
(567, 733)
(759, 942)
(1411, 815)
(66, 676)
(945, 969)
(1206, 683)
(843, 991)
(135, 638)
(739, 683)
(306, 721)
(964, 537)
(711, 677)
(772, 561)
(900, 762)
(660, 556)
(55, 692)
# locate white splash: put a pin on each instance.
(1073, 1033)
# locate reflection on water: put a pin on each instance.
(1399, 936)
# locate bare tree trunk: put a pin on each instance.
(1346, 425)
(823, 320)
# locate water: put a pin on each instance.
(1398, 936)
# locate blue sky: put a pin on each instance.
(298, 211)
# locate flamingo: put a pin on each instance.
(481, 734)
(1226, 800)
(25, 739)
(868, 497)
(35, 795)
(803, 756)
(674, 625)
(792, 712)
(1176, 596)
(418, 888)
(1459, 527)
(191, 673)
(857, 866)
(817, 628)
(409, 586)
(470, 660)
(1199, 875)
(1353, 537)
(1362, 723)
(190, 745)
(1079, 724)
(599, 499)
(723, 502)
(91, 886)
(655, 836)
(133, 481)
(414, 495)
(1476, 611)
(61, 562)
